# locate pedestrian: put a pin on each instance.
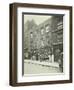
(60, 61)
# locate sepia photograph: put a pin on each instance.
(43, 44)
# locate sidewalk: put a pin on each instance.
(43, 63)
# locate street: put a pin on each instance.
(33, 68)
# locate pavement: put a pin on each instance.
(43, 63)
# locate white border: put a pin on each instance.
(66, 36)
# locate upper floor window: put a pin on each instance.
(42, 43)
(31, 34)
(42, 31)
(47, 28)
(60, 25)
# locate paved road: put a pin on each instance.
(30, 68)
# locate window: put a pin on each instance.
(60, 25)
(31, 34)
(42, 31)
(47, 28)
(42, 43)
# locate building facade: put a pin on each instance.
(44, 40)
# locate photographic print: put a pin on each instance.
(40, 44)
(43, 44)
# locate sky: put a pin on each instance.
(37, 18)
